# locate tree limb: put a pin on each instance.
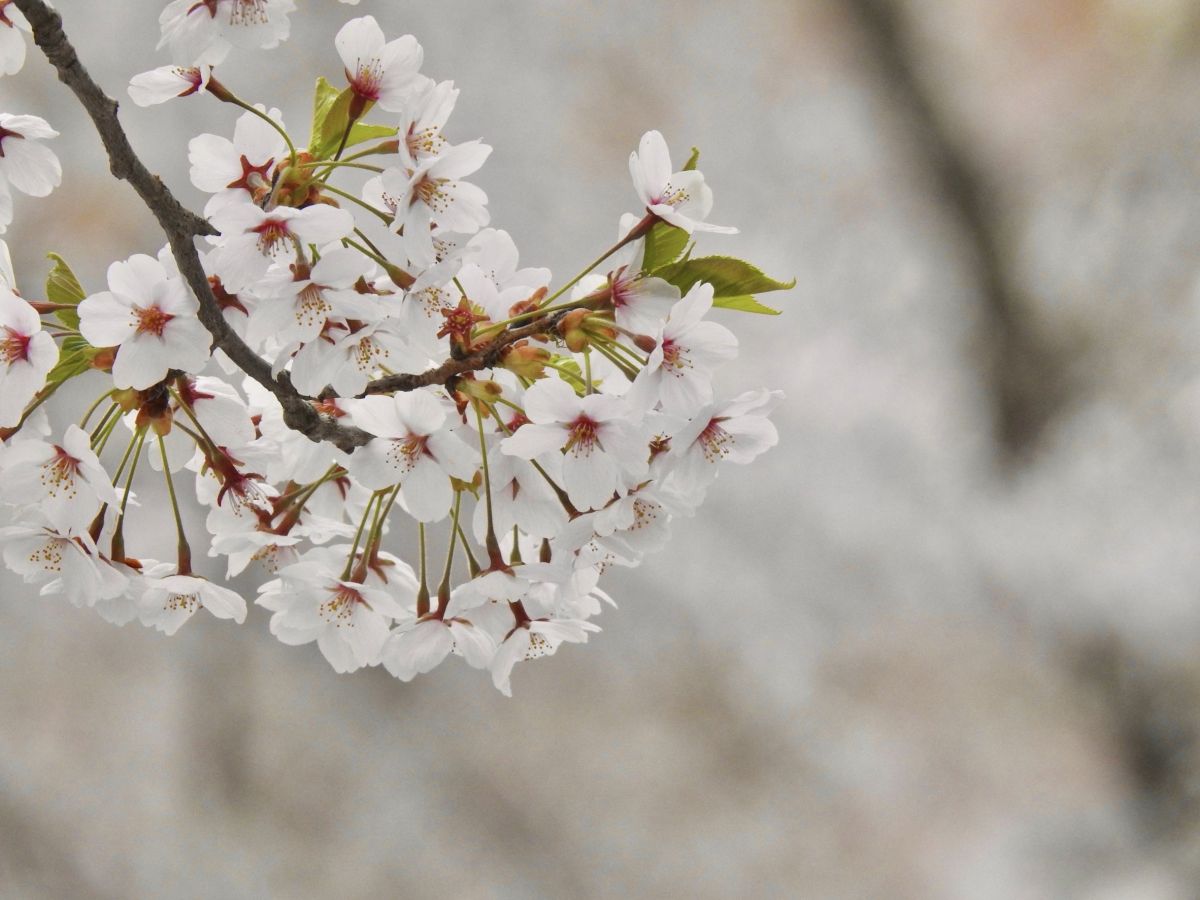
(484, 358)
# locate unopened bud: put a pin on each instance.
(104, 358)
(127, 398)
(525, 360)
(645, 343)
(572, 329)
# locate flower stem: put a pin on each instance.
(638, 230)
(250, 108)
(495, 557)
(184, 549)
(92, 409)
(362, 524)
(443, 592)
(383, 217)
(423, 590)
(118, 539)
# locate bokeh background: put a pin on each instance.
(941, 643)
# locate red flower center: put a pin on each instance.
(5, 134)
(584, 436)
(15, 346)
(151, 320)
(271, 235)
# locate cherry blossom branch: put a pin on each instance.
(180, 225)
(484, 358)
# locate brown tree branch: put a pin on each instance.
(484, 358)
(180, 225)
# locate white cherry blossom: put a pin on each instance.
(150, 315)
(348, 620)
(27, 354)
(168, 83)
(736, 431)
(204, 31)
(600, 440)
(678, 371)
(254, 238)
(13, 28)
(168, 600)
(421, 646)
(241, 168)
(25, 163)
(380, 71)
(681, 199)
(534, 639)
(64, 481)
(62, 562)
(413, 448)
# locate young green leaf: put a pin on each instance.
(734, 281)
(331, 118)
(571, 372)
(75, 358)
(693, 160)
(63, 287)
(744, 303)
(664, 245)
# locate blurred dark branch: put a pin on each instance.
(180, 225)
(1025, 376)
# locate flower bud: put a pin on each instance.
(645, 343)
(525, 360)
(103, 360)
(572, 329)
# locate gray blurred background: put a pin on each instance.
(941, 643)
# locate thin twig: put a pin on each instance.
(484, 358)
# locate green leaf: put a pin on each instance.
(693, 160)
(571, 373)
(324, 97)
(74, 358)
(664, 244)
(362, 132)
(331, 117)
(63, 287)
(744, 303)
(734, 281)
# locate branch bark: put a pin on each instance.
(182, 227)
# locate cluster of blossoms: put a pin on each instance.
(535, 435)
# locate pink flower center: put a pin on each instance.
(271, 235)
(5, 133)
(253, 180)
(366, 79)
(672, 197)
(210, 5)
(14, 347)
(584, 436)
(404, 454)
(58, 475)
(151, 320)
(428, 141)
(338, 610)
(430, 191)
(249, 12)
(715, 441)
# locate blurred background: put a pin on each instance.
(940, 643)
